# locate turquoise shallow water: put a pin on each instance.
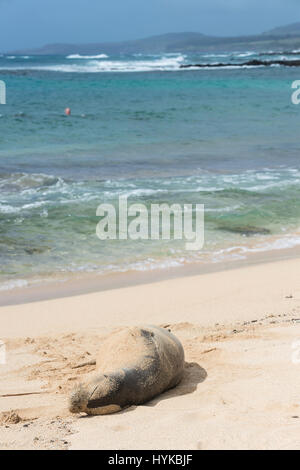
(141, 127)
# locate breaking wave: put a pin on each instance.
(85, 57)
(165, 63)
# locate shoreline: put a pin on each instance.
(239, 294)
(88, 283)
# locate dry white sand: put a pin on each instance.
(241, 389)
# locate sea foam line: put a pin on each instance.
(96, 66)
(85, 57)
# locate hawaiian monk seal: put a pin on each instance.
(132, 366)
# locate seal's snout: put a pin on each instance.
(78, 399)
(88, 395)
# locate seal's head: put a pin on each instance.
(79, 399)
(96, 397)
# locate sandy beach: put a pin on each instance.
(241, 384)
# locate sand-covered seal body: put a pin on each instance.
(132, 366)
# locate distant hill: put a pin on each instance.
(280, 39)
(289, 30)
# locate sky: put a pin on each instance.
(33, 23)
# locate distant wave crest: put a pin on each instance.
(85, 57)
(165, 63)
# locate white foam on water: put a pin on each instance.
(165, 63)
(85, 57)
(241, 251)
(216, 55)
(34, 205)
(13, 57)
(290, 241)
(224, 209)
(227, 67)
(6, 209)
(16, 283)
(246, 54)
(143, 192)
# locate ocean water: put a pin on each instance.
(142, 127)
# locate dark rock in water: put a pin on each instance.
(35, 250)
(247, 230)
(249, 63)
(274, 53)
